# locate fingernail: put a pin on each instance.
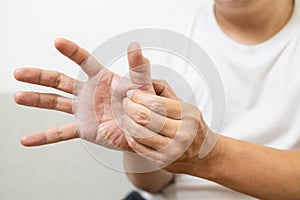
(129, 93)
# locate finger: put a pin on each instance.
(79, 55)
(163, 89)
(142, 150)
(134, 129)
(155, 142)
(153, 121)
(47, 78)
(47, 101)
(54, 135)
(160, 105)
(145, 136)
(162, 157)
(139, 67)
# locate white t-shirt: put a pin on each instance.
(262, 89)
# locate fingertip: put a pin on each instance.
(64, 46)
(136, 60)
(59, 43)
(23, 141)
(18, 73)
(18, 97)
(130, 93)
(32, 140)
(134, 46)
(71, 50)
(134, 51)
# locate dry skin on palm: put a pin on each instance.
(98, 104)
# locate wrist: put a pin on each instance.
(210, 166)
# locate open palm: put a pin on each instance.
(97, 101)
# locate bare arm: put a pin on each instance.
(256, 170)
(152, 182)
(259, 171)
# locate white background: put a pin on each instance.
(29, 28)
(27, 31)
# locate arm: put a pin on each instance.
(252, 169)
(258, 171)
(152, 182)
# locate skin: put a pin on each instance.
(67, 84)
(252, 22)
(232, 163)
(104, 91)
(247, 22)
(245, 167)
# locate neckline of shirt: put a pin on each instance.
(281, 37)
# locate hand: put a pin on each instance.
(165, 131)
(105, 82)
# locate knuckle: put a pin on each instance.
(185, 135)
(191, 112)
(183, 138)
(55, 102)
(132, 143)
(59, 134)
(38, 102)
(195, 118)
(133, 131)
(141, 116)
(157, 107)
(57, 80)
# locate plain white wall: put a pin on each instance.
(28, 28)
(27, 31)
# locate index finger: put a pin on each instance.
(160, 105)
(79, 55)
(47, 78)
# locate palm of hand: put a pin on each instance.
(97, 110)
(96, 114)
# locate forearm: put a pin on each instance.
(252, 169)
(153, 181)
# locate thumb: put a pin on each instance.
(139, 68)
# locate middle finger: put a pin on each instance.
(42, 100)
(47, 78)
